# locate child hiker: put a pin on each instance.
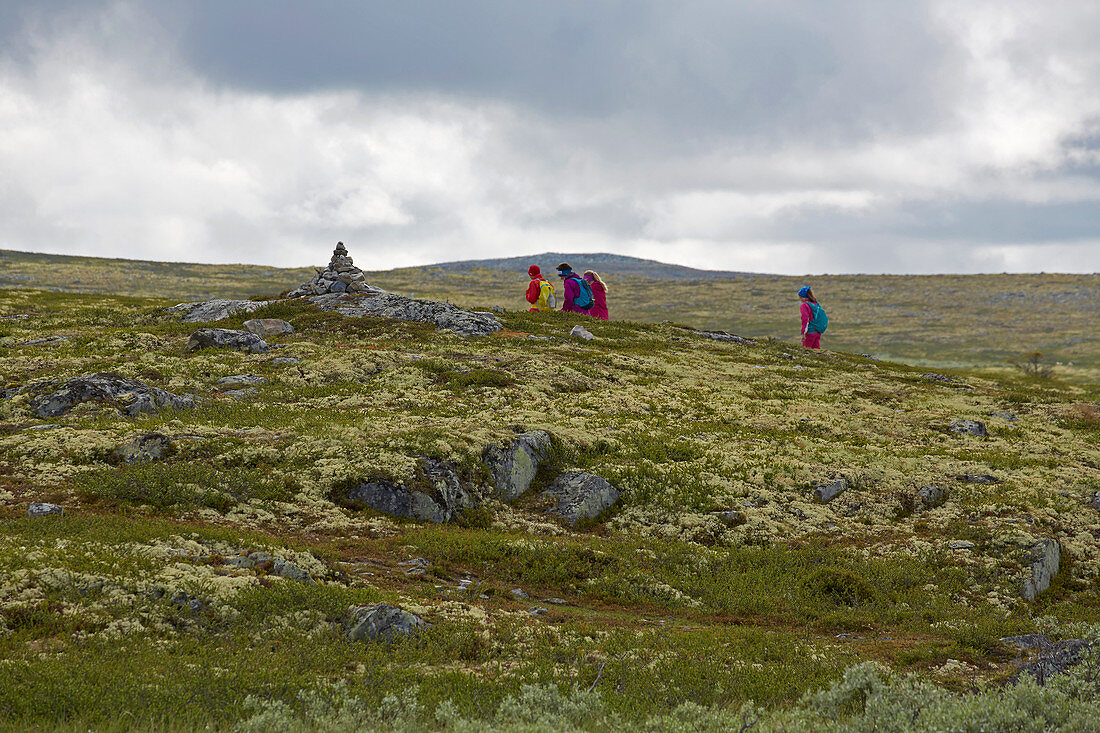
(540, 293)
(576, 292)
(599, 295)
(814, 320)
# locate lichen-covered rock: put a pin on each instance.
(44, 509)
(435, 494)
(723, 336)
(581, 495)
(225, 338)
(929, 497)
(513, 468)
(151, 447)
(381, 622)
(134, 396)
(978, 478)
(969, 427)
(1043, 562)
(581, 332)
(1096, 501)
(387, 305)
(263, 327)
(827, 492)
(218, 309)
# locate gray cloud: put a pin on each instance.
(786, 136)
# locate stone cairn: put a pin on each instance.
(340, 276)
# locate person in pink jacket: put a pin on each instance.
(571, 289)
(599, 295)
(814, 320)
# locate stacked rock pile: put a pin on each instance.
(340, 276)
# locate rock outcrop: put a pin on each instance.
(225, 338)
(340, 276)
(435, 494)
(387, 305)
(580, 495)
(1043, 562)
(134, 397)
(218, 309)
(513, 468)
(381, 622)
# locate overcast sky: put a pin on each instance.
(775, 136)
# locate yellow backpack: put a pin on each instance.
(547, 300)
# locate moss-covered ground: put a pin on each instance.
(122, 613)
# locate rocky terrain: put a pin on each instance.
(361, 510)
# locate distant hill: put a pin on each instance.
(618, 265)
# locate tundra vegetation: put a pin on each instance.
(210, 585)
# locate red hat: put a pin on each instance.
(534, 271)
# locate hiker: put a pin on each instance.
(599, 295)
(576, 292)
(814, 320)
(540, 293)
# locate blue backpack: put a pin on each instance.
(584, 299)
(819, 322)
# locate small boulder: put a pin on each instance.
(929, 497)
(1054, 658)
(978, 478)
(290, 571)
(581, 495)
(729, 518)
(435, 494)
(933, 377)
(235, 380)
(827, 492)
(513, 468)
(381, 622)
(285, 360)
(581, 332)
(151, 447)
(264, 327)
(1043, 562)
(1096, 501)
(1006, 416)
(969, 427)
(225, 338)
(43, 509)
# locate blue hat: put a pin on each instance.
(804, 292)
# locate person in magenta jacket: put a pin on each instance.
(571, 289)
(599, 295)
(814, 320)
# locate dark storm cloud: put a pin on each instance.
(786, 136)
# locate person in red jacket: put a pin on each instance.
(534, 290)
(599, 295)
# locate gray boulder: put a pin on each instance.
(263, 327)
(929, 497)
(513, 468)
(215, 310)
(286, 360)
(151, 447)
(381, 622)
(1054, 658)
(43, 509)
(723, 336)
(435, 494)
(388, 305)
(225, 338)
(969, 427)
(56, 399)
(236, 380)
(978, 478)
(827, 492)
(581, 332)
(1096, 501)
(580, 495)
(933, 377)
(1043, 562)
